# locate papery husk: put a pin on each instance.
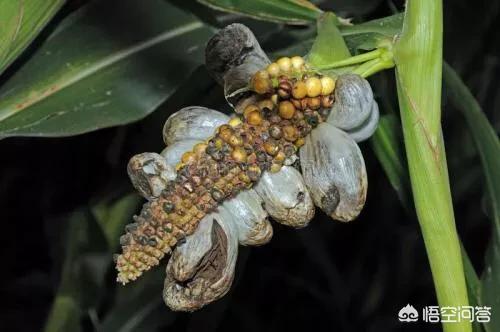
(192, 123)
(286, 197)
(191, 282)
(367, 128)
(250, 218)
(232, 56)
(334, 172)
(353, 102)
(149, 173)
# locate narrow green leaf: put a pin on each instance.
(107, 65)
(64, 315)
(299, 12)
(488, 146)
(329, 46)
(20, 23)
(82, 275)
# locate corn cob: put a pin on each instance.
(290, 102)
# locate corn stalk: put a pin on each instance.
(418, 58)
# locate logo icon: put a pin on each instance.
(408, 314)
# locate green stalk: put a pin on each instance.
(418, 58)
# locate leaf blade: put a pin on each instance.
(117, 79)
(329, 46)
(297, 12)
(488, 146)
(22, 22)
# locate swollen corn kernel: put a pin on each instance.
(286, 109)
(273, 69)
(299, 90)
(297, 63)
(313, 85)
(327, 85)
(285, 64)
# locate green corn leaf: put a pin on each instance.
(20, 23)
(329, 46)
(299, 12)
(488, 146)
(111, 63)
(369, 35)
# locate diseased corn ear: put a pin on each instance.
(334, 172)
(367, 128)
(286, 197)
(353, 102)
(250, 218)
(209, 278)
(192, 123)
(232, 56)
(149, 173)
(246, 207)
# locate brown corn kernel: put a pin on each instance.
(290, 133)
(235, 140)
(188, 157)
(299, 142)
(297, 103)
(314, 103)
(239, 155)
(299, 90)
(286, 109)
(254, 118)
(275, 131)
(280, 157)
(327, 101)
(249, 109)
(284, 90)
(261, 83)
(226, 133)
(271, 147)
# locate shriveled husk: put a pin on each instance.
(334, 172)
(286, 197)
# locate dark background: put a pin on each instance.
(328, 276)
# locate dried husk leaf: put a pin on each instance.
(232, 56)
(353, 102)
(187, 256)
(149, 173)
(286, 197)
(192, 123)
(334, 172)
(250, 218)
(212, 276)
(368, 127)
